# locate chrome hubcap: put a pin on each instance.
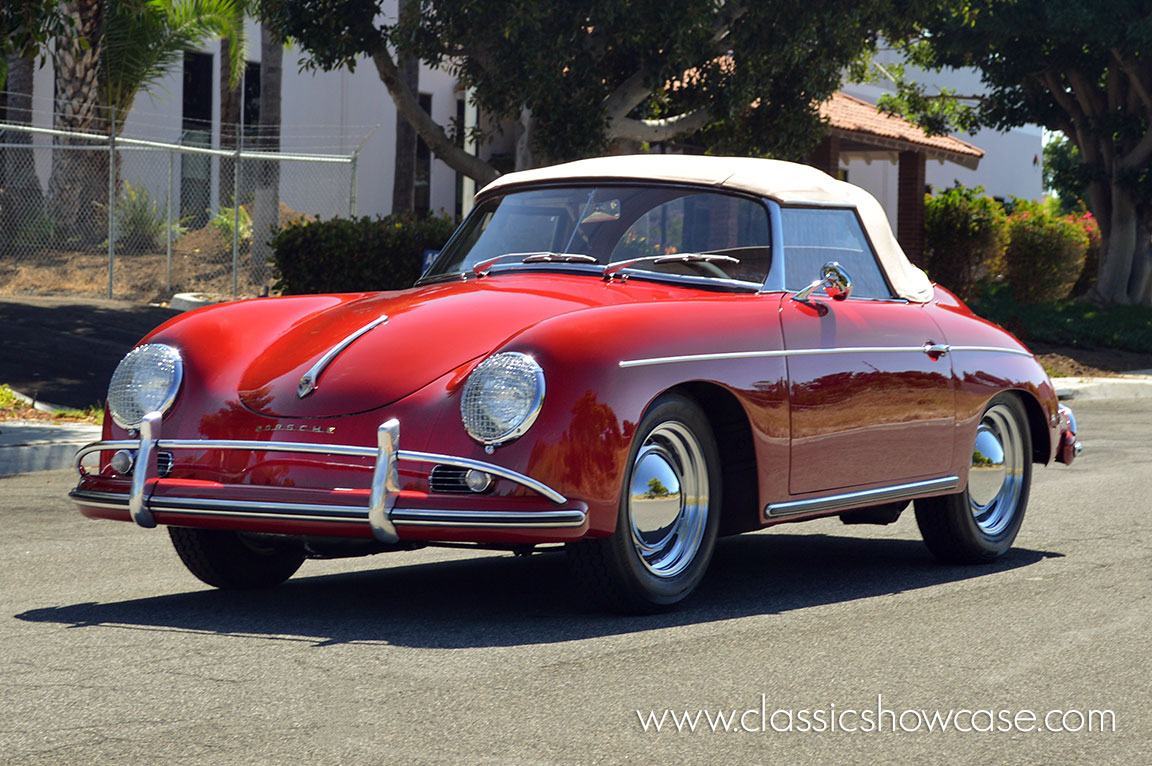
(668, 499)
(996, 477)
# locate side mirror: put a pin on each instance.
(835, 281)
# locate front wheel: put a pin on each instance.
(233, 560)
(668, 516)
(981, 523)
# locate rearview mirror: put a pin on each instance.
(835, 281)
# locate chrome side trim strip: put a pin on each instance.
(195, 506)
(311, 379)
(992, 350)
(863, 497)
(807, 352)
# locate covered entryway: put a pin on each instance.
(858, 130)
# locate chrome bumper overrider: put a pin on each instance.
(381, 512)
(1070, 447)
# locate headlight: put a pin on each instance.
(146, 380)
(502, 398)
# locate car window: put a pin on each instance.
(614, 224)
(702, 223)
(814, 236)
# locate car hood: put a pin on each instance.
(429, 331)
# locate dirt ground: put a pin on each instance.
(1066, 362)
(201, 261)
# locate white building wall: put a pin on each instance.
(322, 113)
(1012, 162)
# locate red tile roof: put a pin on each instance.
(854, 118)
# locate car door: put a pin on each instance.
(870, 402)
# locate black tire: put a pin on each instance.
(981, 523)
(232, 560)
(663, 541)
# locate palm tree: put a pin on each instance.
(233, 60)
(21, 198)
(117, 49)
(77, 62)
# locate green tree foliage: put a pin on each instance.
(1065, 174)
(144, 39)
(1083, 69)
(581, 75)
(26, 26)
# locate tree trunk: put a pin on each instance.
(525, 156)
(21, 198)
(1142, 268)
(1118, 248)
(78, 186)
(229, 121)
(266, 206)
(438, 142)
(404, 175)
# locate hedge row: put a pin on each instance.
(971, 241)
(345, 255)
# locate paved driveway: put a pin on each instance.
(112, 653)
(63, 350)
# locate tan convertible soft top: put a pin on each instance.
(786, 182)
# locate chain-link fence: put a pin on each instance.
(183, 217)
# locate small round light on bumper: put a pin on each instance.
(477, 481)
(122, 461)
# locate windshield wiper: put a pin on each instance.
(612, 269)
(481, 268)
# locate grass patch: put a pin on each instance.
(1069, 322)
(13, 407)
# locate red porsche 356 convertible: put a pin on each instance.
(629, 356)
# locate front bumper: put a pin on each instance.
(381, 513)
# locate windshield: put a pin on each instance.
(589, 228)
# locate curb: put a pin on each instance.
(27, 446)
(1130, 386)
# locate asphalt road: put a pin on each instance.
(63, 350)
(111, 653)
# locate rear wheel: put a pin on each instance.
(668, 516)
(233, 560)
(981, 523)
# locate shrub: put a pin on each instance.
(1045, 254)
(964, 238)
(1091, 228)
(355, 254)
(141, 223)
(225, 221)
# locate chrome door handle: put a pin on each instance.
(936, 350)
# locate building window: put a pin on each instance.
(422, 191)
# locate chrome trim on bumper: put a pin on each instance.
(863, 497)
(247, 509)
(380, 514)
(1070, 447)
